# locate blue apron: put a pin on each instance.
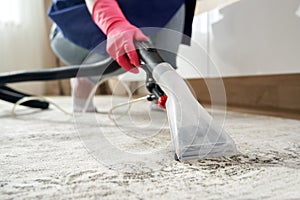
(74, 20)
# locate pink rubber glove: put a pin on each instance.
(120, 33)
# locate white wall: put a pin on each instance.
(24, 44)
(249, 37)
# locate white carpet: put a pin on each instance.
(42, 156)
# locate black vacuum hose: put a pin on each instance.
(13, 96)
(100, 68)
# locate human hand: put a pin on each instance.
(120, 45)
(120, 33)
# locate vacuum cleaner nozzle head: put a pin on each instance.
(195, 134)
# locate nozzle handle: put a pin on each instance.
(148, 54)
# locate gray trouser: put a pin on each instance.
(72, 54)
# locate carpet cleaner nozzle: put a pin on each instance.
(195, 134)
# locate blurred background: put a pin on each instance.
(254, 44)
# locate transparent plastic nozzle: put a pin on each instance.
(195, 134)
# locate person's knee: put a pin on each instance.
(65, 50)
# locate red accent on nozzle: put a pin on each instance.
(162, 101)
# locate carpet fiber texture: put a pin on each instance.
(46, 154)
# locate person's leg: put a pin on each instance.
(169, 41)
(66, 51)
(72, 54)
